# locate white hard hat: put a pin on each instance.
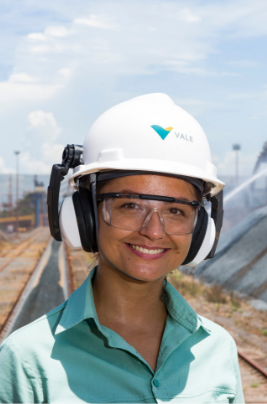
(148, 133)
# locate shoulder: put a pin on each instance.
(220, 345)
(216, 331)
(217, 334)
(34, 336)
(22, 356)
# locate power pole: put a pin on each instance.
(10, 201)
(17, 188)
(236, 148)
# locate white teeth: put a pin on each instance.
(146, 251)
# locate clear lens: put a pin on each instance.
(133, 214)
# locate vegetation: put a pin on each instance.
(188, 286)
(215, 294)
(235, 302)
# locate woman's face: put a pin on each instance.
(122, 247)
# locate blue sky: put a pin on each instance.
(63, 63)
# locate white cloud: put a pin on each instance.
(65, 73)
(36, 36)
(22, 78)
(54, 48)
(190, 17)
(23, 87)
(17, 92)
(52, 153)
(32, 165)
(50, 31)
(43, 131)
(45, 123)
(3, 167)
(57, 31)
(94, 22)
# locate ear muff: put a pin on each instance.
(76, 221)
(68, 223)
(83, 206)
(202, 240)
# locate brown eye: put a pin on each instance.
(175, 211)
(129, 206)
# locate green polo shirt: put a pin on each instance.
(67, 356)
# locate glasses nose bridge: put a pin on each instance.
(149, 216)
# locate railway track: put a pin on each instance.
(254, 381)
(11, 252)
(33, 282)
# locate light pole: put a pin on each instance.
(17, 188)
(236, 148)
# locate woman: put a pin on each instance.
(126, 335)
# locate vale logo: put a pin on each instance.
(163, 133)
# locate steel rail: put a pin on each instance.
(252, 363)
(22, 296)
(21, 248)
(25, 292)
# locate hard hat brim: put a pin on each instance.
(207, 174)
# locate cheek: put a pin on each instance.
(109, 234)
(182, 243)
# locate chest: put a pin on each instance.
(96, 371)
(145, 341)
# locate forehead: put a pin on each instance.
(151, 184)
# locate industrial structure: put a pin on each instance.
(34, 203)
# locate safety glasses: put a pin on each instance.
(133, 212)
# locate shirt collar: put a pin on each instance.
(180, 310)
(80, 306)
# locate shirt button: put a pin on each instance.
(156, 382)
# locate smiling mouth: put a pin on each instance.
(146, 251)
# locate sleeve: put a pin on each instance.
(239, 396)
(17, 382)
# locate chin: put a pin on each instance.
(145, 273)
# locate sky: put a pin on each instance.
(63, 63)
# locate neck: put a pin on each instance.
(124, 300)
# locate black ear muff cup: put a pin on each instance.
(83, 206)
(89, 217)
(198, 235)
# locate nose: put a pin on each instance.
(153, 228)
